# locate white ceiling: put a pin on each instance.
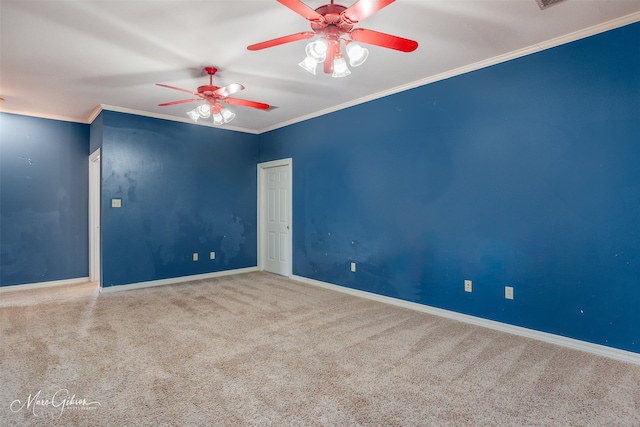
(64, 59)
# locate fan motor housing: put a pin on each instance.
(207, 90)
(331, 14)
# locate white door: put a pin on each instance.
(275, 215)
(94, 216)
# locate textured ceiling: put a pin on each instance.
(64, 59)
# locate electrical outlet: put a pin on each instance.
(508, 292)
(212, 255)
(468, 286)
(353, 267)
(195, 256)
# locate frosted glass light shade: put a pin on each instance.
(227, 115)
(340, 68)
(309, 64)
(317, 50)
(193, 114)
(357, 54)
(217, 119)
(204, 111)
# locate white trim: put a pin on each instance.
(176, 280)
(95, 186)
(597, 349)
(567, 38)
(39, 285)
(262, 210)
(94, 114)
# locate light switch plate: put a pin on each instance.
(116, 203)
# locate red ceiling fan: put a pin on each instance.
(331, 22)
(214, 96)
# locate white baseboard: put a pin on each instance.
(24, 287)
(600, 350)
(175, 280)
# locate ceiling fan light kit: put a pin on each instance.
(213, 97)
(317, 53)
(334, 23)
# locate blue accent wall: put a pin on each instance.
(523, 174)
(43, 200)
(184, 189)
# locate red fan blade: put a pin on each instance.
(184, 101)
(303, 10)
(282, 40)
(383, 40)
(363, 9)
(245, 103)
(228, 90)
(177, 88)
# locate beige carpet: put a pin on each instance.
(257, 349)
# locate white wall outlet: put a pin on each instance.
(508, 292)
(212, 255)
(468, 286)
(353, 267)
(116, 203)
(195, 256)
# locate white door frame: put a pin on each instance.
(94, 217)
(262, 211)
